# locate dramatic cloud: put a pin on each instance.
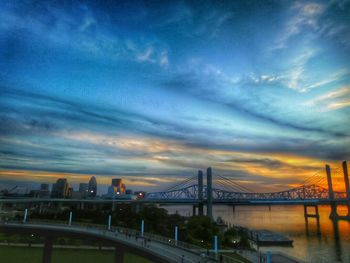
(153, 92)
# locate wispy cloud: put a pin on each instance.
(159, 90)
(332, 100)
(146, 56)
(87, 33)
(296, 77)
(336, 76)
(303, 14)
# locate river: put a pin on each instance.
(328, 243)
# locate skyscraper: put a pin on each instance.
(92, 189)
(118, 186)
(117, 182)
(84, 189)
(60, 188)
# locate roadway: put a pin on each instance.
(153, 248)
(174, 202)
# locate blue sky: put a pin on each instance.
(153, 91)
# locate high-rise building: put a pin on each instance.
(92, 189)
(111, 192)
(60, 189)
(117, 182)
(84, 189)
(118, 186)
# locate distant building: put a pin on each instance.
(44, 187)
(77, 195)
(60, 189)
(70, 191)
(128, 192)
(140, 194)
(110, 192)
(84, 189)
(34, 193)
(118, 185)
(44, 191)
(117, 182)
(92, 189)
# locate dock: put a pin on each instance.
(269, 238)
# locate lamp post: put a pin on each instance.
(268, 256)
(142, 227)
(175, 235)
(25, 215)
(70, 218)
(109, 222)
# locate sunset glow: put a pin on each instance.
(153, 92)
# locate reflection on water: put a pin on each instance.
(326, 241)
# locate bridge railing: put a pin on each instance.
(136, 233)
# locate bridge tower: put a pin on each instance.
(346, 180)
(209, 194)
(200, 192)
(334, 215)
(330, 186)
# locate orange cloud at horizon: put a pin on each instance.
(51, 177)
(265, 169)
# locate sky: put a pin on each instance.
(152, 91)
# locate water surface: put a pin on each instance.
(330, 242)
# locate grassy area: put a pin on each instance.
(237, 256)
(11, 254)
(20, 254)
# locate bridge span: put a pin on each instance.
(155, 248)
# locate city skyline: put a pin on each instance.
(151, 93)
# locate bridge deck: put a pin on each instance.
(169, 252)
(177, 201)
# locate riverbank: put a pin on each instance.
(327, 242)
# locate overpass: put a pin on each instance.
(158, 249)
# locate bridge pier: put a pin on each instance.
(346, 180)
(209, 194)
(47, 252)
(118, 255)
(334, 214)
(337, 242)
(315, 215)
(41, 208)
(200, 209)
(200, 193)
(137, 208)
(59, 206)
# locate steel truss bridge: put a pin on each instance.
(307, 192)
